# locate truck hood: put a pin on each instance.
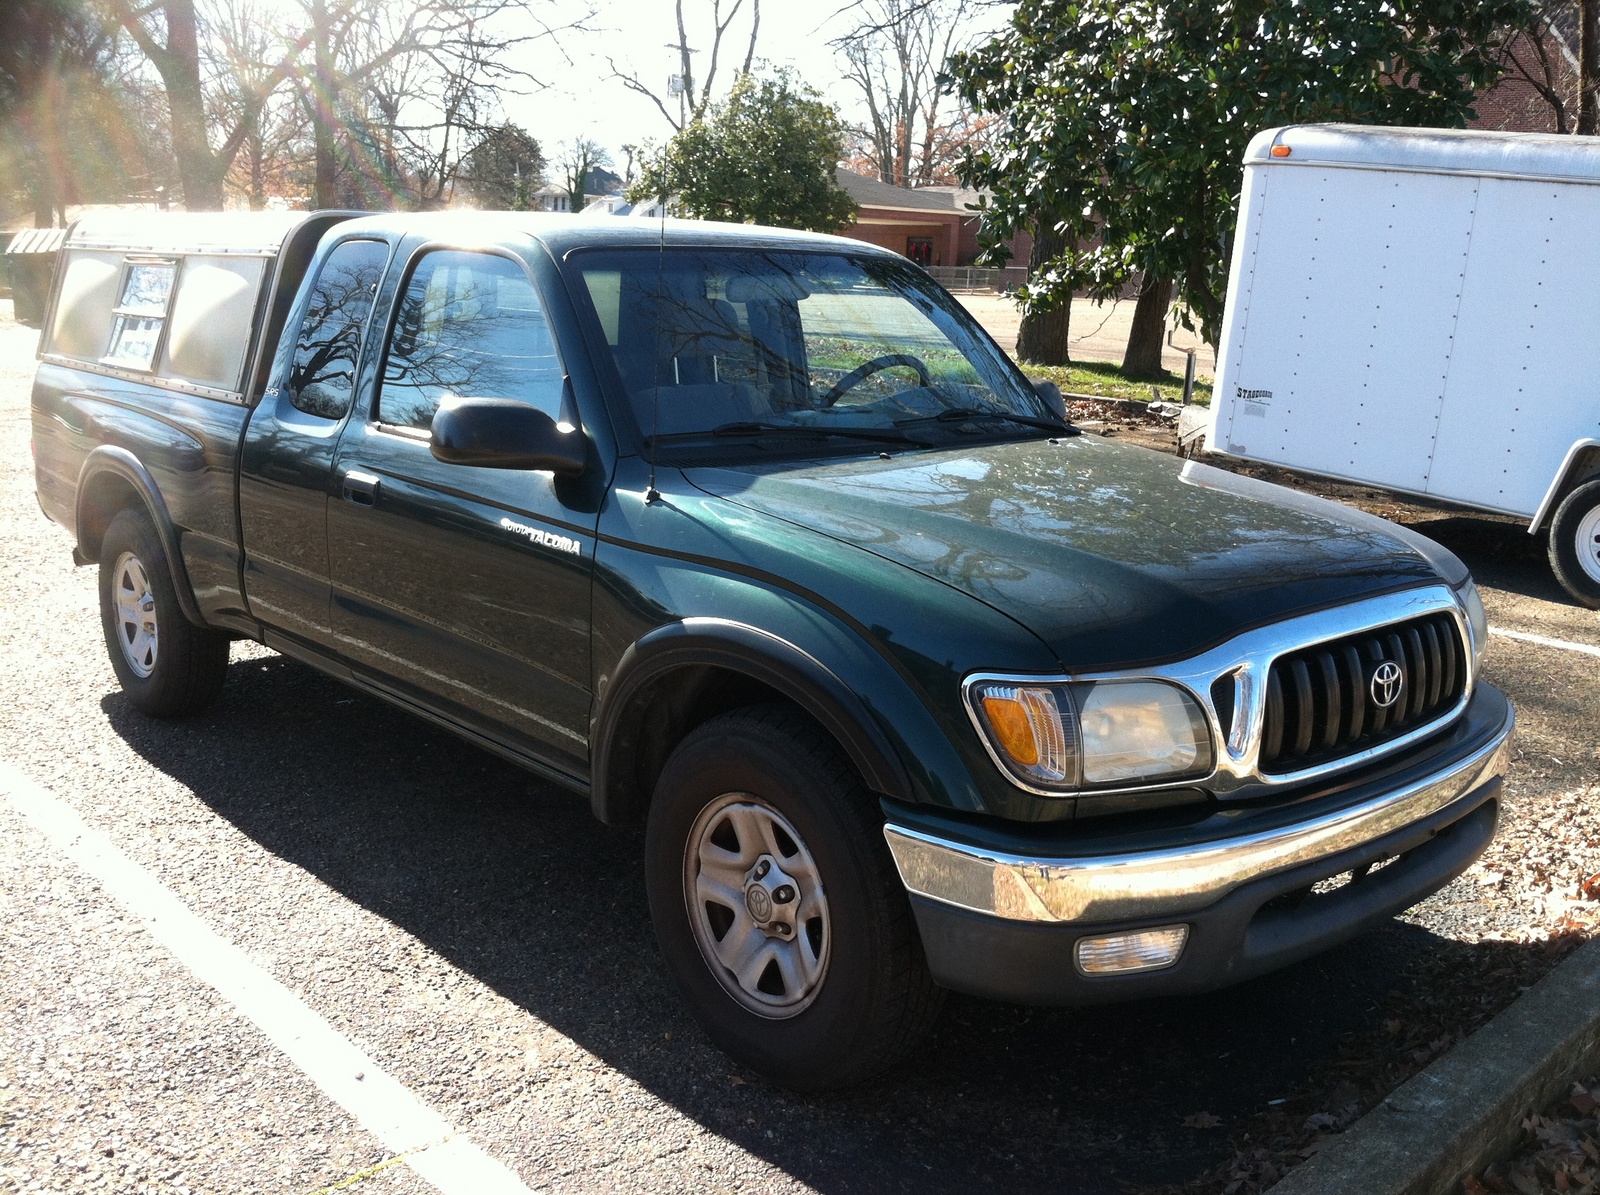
(1113, 555)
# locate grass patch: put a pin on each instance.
(1105, 380)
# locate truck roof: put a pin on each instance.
(1453, 151)
(264, 233)
(561, 232)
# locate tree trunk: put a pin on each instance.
(1042, 339)
(256, 148)
(1143, 356)
(1588, 67)
(324, 97)
(180, 72)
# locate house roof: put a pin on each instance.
(869, 192)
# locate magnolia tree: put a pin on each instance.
(765, 155)
(1125, 121)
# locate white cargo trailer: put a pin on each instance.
(1419, 309)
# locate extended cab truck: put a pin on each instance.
(754, 537)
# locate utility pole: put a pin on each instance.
(1588, 67)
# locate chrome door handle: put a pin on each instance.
(360, 488)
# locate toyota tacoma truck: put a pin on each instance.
(754, 538)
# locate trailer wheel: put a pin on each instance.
(1575, 543)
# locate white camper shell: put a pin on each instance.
(1419, 309)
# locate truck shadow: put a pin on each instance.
(513, 882)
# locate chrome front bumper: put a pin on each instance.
(1176, 880)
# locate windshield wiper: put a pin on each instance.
(960, 414)
(752, 429)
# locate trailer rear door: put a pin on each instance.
(1331, 262)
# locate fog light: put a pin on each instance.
(1142, 950)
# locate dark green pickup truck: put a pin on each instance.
(754, 537)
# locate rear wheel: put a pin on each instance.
(1575, 543)
(167, 666)
(778, 909)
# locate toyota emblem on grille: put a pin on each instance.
(1387, 680)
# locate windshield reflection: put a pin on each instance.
(766, 344)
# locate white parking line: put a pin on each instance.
(1542, 641)
(429, 1144)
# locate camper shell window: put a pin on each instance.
(141, 312)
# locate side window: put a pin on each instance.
(323, 377)
(468, 325)
(140, 312)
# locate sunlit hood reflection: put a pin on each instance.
(1111, 553)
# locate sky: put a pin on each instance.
(580, 99)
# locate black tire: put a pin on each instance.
(181, 669)
(875, 998)
(1576, 520)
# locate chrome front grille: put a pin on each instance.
(1354, 693)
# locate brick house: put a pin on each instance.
(933, 226)
(1547, 63)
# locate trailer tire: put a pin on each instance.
(166, 665)
(1575, 543)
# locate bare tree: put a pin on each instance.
(1542, 55)
(243, 44)
(1588, 67)
(692, 99)
(577, 160)
(894, 54)
(386, 89)
(168, 32)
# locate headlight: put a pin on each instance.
(1477, 620)
(1096, 734)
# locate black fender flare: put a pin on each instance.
(108, 458)
(760, 655)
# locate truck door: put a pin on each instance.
(287, 458)
(459, 588)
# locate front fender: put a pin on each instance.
(750, 651)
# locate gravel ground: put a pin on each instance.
(487, 943)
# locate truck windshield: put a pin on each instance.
(800, 350)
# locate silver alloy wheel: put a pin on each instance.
(137, 633)
(756, 905)
(1587, 542)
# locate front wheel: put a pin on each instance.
(167, 666)
(1575, 543)
(777, 907)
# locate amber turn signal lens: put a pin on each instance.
(1280, 151)
(1012, 731)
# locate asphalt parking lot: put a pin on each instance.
(486, 943)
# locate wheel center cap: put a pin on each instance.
(759, 901)
(769, 896)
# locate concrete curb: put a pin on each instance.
(1465, 1110)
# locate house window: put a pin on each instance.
(140, 312)
(920, 250)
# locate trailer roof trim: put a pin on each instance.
(1457, 151)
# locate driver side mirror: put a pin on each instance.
(1051, 393)
(502, 433)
